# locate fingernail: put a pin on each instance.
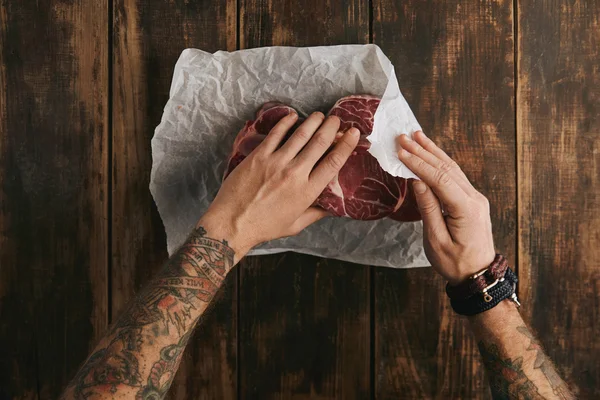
(402, 153)
(419, 187)
(406, 137)
(354, 132)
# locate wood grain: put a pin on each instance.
(454, 62)
(559, 192)
(303, 23)
(53, 191)
(304, 323)
(304, 328)
(148, 38)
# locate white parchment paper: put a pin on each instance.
(211, 97)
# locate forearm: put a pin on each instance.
(140, 354)
(515, 362)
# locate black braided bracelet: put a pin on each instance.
(477, 303)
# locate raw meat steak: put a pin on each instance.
(361, 190)
(254, 132)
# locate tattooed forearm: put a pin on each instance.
(543, 363)
(141, 352)
(513, 360)
(506, 375)
(163, 371)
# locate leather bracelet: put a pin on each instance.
(479, 281)
(483, 301)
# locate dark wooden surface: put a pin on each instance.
(304, 322)
(511, 89)
(148, 37)
(54, 176)
(558, 128)
(454, 62)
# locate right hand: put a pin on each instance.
(270, 194)
(459, 243)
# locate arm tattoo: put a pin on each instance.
(142, 350)
(542, 362)
(507, 379)
(163, 371)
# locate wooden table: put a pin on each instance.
(510, 89)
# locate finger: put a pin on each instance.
(331, 164)
(301, 136)
(431, 212)
(442, 184)
(309, 217)
(431, 147)
(447, 166)
(319, 144)
(274, 138)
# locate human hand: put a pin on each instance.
(459, 243)
(269, 195)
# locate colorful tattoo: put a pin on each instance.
(163, 371)
(166, 312)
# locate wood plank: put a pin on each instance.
(303, 23)
(304, 328)
(454, 62)
(559, 170)
(304, 322)
(53, 191)
(148, 38)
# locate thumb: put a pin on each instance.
(431, 210)
(308, 217)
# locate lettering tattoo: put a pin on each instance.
(543, 363)
(141, 352)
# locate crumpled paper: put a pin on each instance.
(211, 97)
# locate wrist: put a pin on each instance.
(485, 289)
(218, 227)
(472, 268)
(496, 321)
(498, 315)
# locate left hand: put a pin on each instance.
(269, 195)
(460, 243)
